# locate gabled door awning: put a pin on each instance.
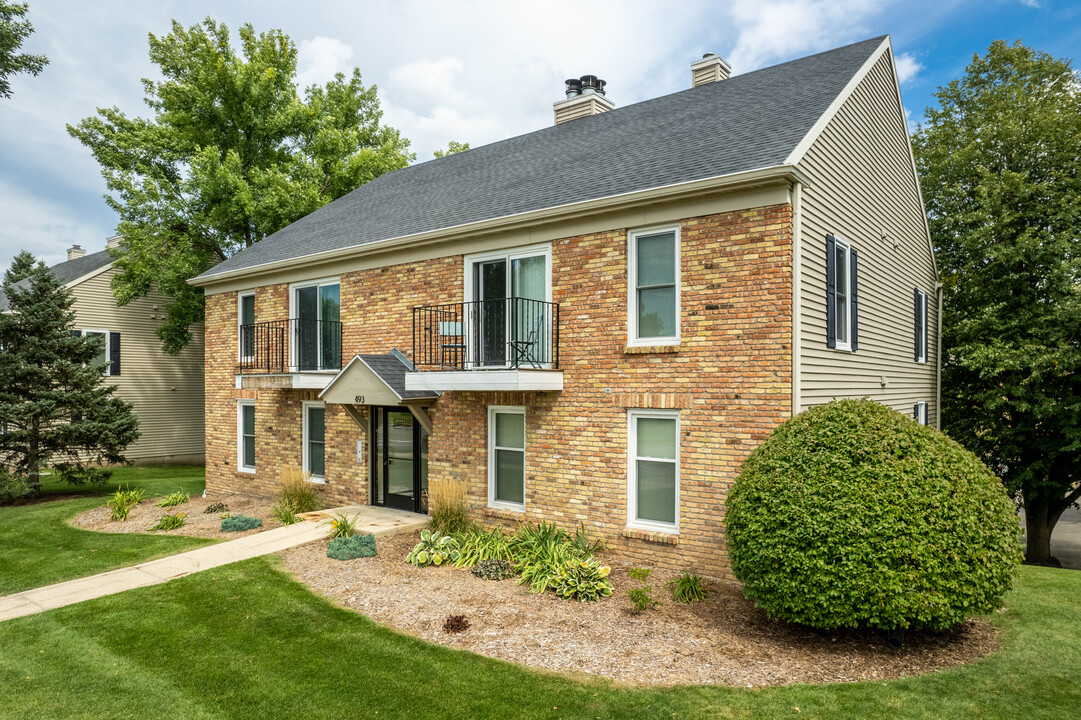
(378, 380)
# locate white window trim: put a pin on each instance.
(632, 470)
(240, 466)
(847, 270)
(304, 450)
(492, 502)
(240, 321)
(923, 337)
(293, 287)
(632, 288)
(108, 360)
(508, 255)
(921, 413)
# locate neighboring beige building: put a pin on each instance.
(166, 390)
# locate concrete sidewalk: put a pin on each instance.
(375, 520)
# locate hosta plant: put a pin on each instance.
(433, 549)
(582, 580)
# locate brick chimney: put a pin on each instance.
(75, 252)
(709, 69)
(585, 96)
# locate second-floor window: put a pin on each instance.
(653, 275)
(317, 335)
(919, 313)
(842, 320)
(246, 324)
(109, 353)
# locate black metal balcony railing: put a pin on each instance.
(487, 335)
(289, 346)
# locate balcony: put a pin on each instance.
(294, 353)
(497, 344)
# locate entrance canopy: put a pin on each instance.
(378, 380)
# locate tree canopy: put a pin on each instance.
(14, 28)
(56, 410)
(231, 155)
(452, 147)
(1001, 174)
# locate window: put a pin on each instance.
(246, 435)
(246, 325)
(314, 441)
(508, 316)
(653, 470)
(317, 332)
(919, 312)
(919, 412)
(653, 274)
(506, 457)
(841, 295)
(109, 352)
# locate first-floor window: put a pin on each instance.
(314, 441)
(919, 412)
(506, 456)
(653, 472)
(246, 435)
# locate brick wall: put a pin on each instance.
(730, 377)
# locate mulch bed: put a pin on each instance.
(197, 524)
(724, 640)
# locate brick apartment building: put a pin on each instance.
(596, 322)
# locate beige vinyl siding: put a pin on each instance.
(166, 390)
(861, 187)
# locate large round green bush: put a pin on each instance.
(851, 514)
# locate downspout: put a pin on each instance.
(796, 195)
(938, 361)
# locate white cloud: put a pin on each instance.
(1031, 3)
(907, 67)
(320, 58)
(43, 227)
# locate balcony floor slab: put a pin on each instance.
(486, 380)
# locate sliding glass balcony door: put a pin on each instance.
(510, 316)
(318, 332)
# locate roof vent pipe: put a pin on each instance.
(589, 84)
(574, 87)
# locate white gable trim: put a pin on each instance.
(805, 144)
(90, 275)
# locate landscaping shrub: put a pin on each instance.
(294, 487)
(477, 545)
(582, 580)
(218, 507)
(353, 546)
(642, 595)
(687, 588)
(172, 499)
(170, 522)
(123, 500)
(493, 569)
(433, 549)
(851, 514)
(342, 526)
(456, 624)
(285, 511)
(448, 507)
(12, 487)
(240, 523)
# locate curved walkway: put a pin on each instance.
(375, 520)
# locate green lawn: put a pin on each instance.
(245, 641)
(38, 547)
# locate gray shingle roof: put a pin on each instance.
(391, 369)
(744, 123)
(68, 271)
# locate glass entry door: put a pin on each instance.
(399, 460)
(509, 314)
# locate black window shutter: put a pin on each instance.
(114, 353)
(831, 292)
(917, 322)
(854, 292)
(916, 411)
(76, 333)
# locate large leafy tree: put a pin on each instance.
(231, 155)
(14, 28)
(1000, 160)
(56, 410)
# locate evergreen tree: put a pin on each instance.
(1001, 176)
(56, 410)
(20, 268)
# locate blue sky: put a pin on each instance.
(470, 71)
